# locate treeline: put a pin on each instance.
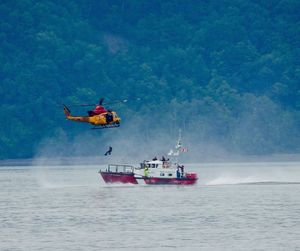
(225, 71)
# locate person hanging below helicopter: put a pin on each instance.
(99, 109)
(109, 151)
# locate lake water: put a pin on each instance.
(243, 206)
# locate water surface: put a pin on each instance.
(239, 206)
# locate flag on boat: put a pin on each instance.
(178, 147)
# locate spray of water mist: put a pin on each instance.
(246, 173)
(131, 146)
(142, 138)
(88, 147)
(145, 136)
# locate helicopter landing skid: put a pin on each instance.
(106, 126)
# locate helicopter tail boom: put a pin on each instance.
(77, 118)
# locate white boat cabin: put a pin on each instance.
(156, 164)
(159, 169)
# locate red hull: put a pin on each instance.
(109, 177)
(174, 181)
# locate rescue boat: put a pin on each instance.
(156, 172)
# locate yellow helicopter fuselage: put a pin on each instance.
(97, 120)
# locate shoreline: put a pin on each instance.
(101, 160)
(52, 161)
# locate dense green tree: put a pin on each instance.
(227, 72)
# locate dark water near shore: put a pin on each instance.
(245, 206)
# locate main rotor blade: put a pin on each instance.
(116, 102)
(122, 101)
(108, 103)
(84, 105)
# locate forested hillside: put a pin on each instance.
(226, 72)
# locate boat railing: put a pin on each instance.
(117, 168)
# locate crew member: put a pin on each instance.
(178, 173)
(146, 172)
(109, 116)
(182, 170)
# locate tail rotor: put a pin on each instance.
(67, 111)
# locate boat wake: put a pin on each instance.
(271, 183)
(249, 181)
(255, 183)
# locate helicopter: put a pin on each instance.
(101, 120)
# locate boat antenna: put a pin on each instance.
(178, 145)
(175, 153)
